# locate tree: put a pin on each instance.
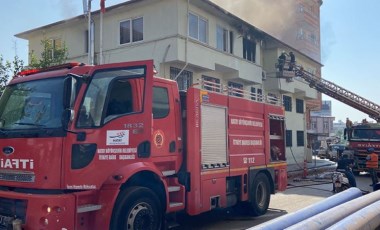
(54, 52)
(9, 69)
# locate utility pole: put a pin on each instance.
(90, 40)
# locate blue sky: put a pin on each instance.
(349, 37)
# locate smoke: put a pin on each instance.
(272, 16)
(328, 40)
(68, 8)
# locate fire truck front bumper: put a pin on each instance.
(36, 211)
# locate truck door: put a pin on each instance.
(113, 126)
(166, 132)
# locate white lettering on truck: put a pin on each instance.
(16, 164)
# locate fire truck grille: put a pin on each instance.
(17, 176)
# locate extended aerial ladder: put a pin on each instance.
(335, 91)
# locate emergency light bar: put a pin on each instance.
(56, 67)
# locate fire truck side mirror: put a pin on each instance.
(71, 87)
(67, 116)
(70, 91)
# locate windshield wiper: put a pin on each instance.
(31, 124)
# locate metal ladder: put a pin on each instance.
(339, 93)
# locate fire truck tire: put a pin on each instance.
(260, 195)
(137, 208)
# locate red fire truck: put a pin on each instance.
(360, 138)
(114, 147)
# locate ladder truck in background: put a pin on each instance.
(361, 136)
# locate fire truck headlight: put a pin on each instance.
(47, 209)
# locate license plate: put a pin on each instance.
(5, 222)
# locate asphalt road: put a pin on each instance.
(299, 194)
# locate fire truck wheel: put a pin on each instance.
(137, 208)
(260, 195)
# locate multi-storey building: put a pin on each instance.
(296, 23)
(190, 41)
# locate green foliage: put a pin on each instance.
(9, 69)
(53, 53)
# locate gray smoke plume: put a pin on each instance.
(69, 8)
(272, 16)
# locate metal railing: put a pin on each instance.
(215, 87)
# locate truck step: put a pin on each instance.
(175, 204)
(168, 173)
(174, 188)
(88, 208)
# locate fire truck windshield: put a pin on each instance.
(32, 105)
(366, 134)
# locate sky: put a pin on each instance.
(350, 41)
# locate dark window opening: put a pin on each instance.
(300, 138)
(235, 89)
(249, 50)
(287, 103)
(184, 80)
(299, 106)
(289, 139)
(211, 83)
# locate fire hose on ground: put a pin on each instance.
(310, 211)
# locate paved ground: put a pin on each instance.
(301, 192)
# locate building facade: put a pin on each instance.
(190, 41)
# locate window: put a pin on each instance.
(253, 94)
(111, 94)
(221, 39)
(300, 138)
(131, 30)
(260, 94)
(54, 47)
(235, 89)
(326, 125)
(299, 106)
(160, 102)
(289, 139)
(313, 125)
(249, 50)
(300, 34)
(301, 8)
(313, 38)
(184, 80)
(287, 103)
(211, 83)
(86, 41)
(197, 28)
(231, 42)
